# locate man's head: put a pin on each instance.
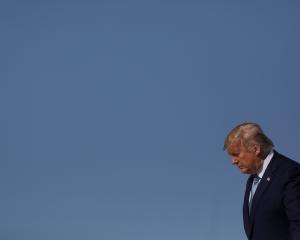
(248, 146)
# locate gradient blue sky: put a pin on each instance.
(113, 114)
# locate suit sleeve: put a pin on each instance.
(292, 203)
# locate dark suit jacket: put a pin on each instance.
(275, 210)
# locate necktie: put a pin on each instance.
(255, 183)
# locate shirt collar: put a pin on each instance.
(266, 163)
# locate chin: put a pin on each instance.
(244, 171)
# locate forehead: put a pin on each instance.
(236, 147)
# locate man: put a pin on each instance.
(271, 209)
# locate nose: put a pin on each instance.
(234, 161)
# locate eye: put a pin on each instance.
(235, 154)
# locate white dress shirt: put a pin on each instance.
(265, 164)
(261, 172)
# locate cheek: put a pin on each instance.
(244, 161)
(248, 162)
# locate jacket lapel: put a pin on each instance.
(246, 206)
(263, 186)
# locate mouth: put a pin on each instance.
(243, 170)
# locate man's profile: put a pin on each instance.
(271, 209)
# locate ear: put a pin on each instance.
(257, 149)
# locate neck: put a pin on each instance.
(263, 155)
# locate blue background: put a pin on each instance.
(113, 114)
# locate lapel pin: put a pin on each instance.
(268, 179)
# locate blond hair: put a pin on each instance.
(249, 134)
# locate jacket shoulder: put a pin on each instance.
(286, 163)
